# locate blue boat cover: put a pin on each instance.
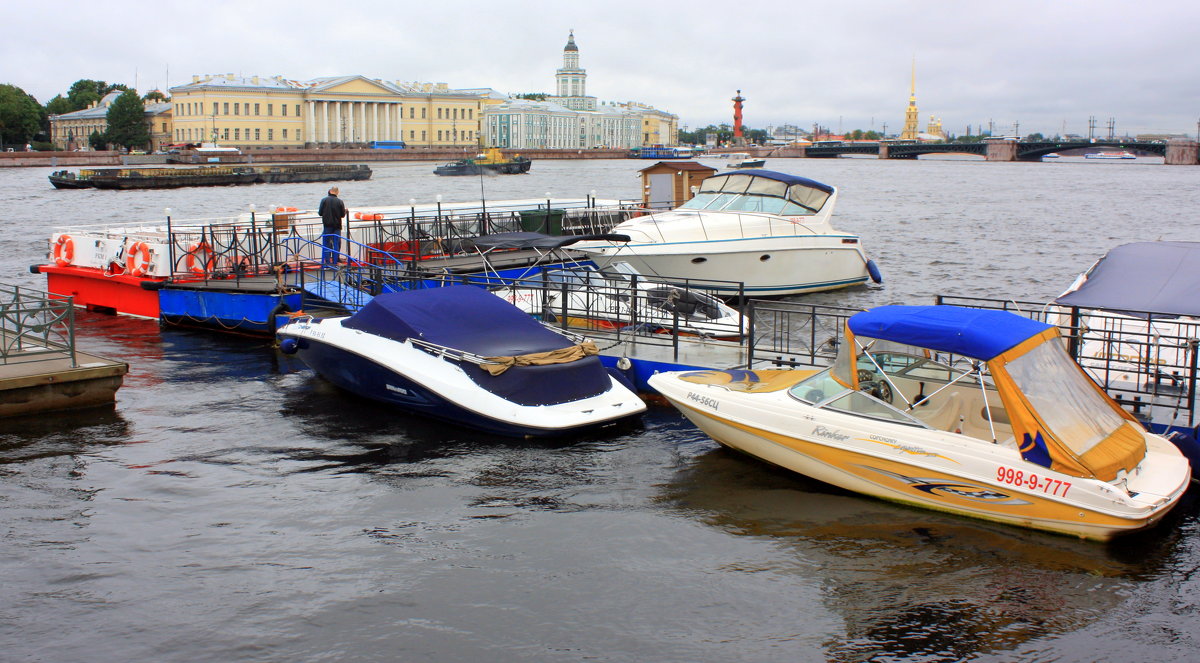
(471, 319)
(970, 332)
(1142, 278)
(780, 177)
(462, 317)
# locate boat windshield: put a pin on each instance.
(825, 392)
(750, 193)
(1064, 397)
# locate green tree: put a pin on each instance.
(86, 91)
(532, 96)
(127, 122)
(20, 115)
(96, 140)
(59, 105)
(154, 96)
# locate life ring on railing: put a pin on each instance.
(138, 261)
(64, 250)
(197, 264)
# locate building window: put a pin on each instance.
(412, 135)
(439, 110)
(422, 135)
(226, 136)
(236, 107)
(422, 113)
(226, 108)
(283, 107)
(237, 134)
(247, 108)
(297, 110)
(270, 134)
(270, 109)
(256, 109)
(412, 112)
(439, 136)
(258, 134)
(285, 131)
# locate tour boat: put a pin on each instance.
(766, 229)
(1110, 155)
(976, 412)
(463, 355)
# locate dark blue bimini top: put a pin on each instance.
(1147, 279)
(462, 317)
(976, 333)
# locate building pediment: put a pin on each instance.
(351, 85)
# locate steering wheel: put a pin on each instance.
(877, 388)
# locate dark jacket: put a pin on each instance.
(332, 211)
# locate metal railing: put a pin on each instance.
(35, 326)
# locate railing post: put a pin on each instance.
(1193, 345)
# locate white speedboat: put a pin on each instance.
(976, 412)
(743, 160)
(618, 297)
(768, 230)
(463, 355)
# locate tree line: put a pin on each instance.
(23, 121)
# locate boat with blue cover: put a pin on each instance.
(977, 412)
(460, 354)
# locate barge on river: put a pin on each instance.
(173, 178)
(491, 161)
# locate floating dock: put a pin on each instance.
(41, 371)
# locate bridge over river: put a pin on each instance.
(1176, 152)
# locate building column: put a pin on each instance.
(349, 138)
(325, 122)
(310, 122)
(374, 120)
(337, 122)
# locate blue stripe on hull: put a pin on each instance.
(368, 379)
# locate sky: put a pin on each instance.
(1018, 66)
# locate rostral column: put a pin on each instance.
(737, 119)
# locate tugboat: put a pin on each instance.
(490, 161)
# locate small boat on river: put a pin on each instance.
(489, 161)
(186, 176)
(463, 355)
(976, 412)
(1110, 155)
(743, 160)
(768, 230)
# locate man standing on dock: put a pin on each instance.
(332, 211)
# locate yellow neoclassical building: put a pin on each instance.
(275, 112)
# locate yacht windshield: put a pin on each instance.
(750, 193)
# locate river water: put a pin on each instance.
(233, 507)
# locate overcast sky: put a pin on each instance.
(1047, 64)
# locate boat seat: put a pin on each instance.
(941, 412)
(750, 381)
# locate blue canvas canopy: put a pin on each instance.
(462, 317)
(1159, 278)
(976, 333)
(471, 319)
(780, 177)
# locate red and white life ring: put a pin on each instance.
(138, 262)
(199, 258)
(64, 250)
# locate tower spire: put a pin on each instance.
(911, 115)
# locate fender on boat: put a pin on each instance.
(288, 346)
(873, 270)
(35, 269)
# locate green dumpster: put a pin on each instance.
(548, 222)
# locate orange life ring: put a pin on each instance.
(64, 250)
(139, 259)
(195, 263)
